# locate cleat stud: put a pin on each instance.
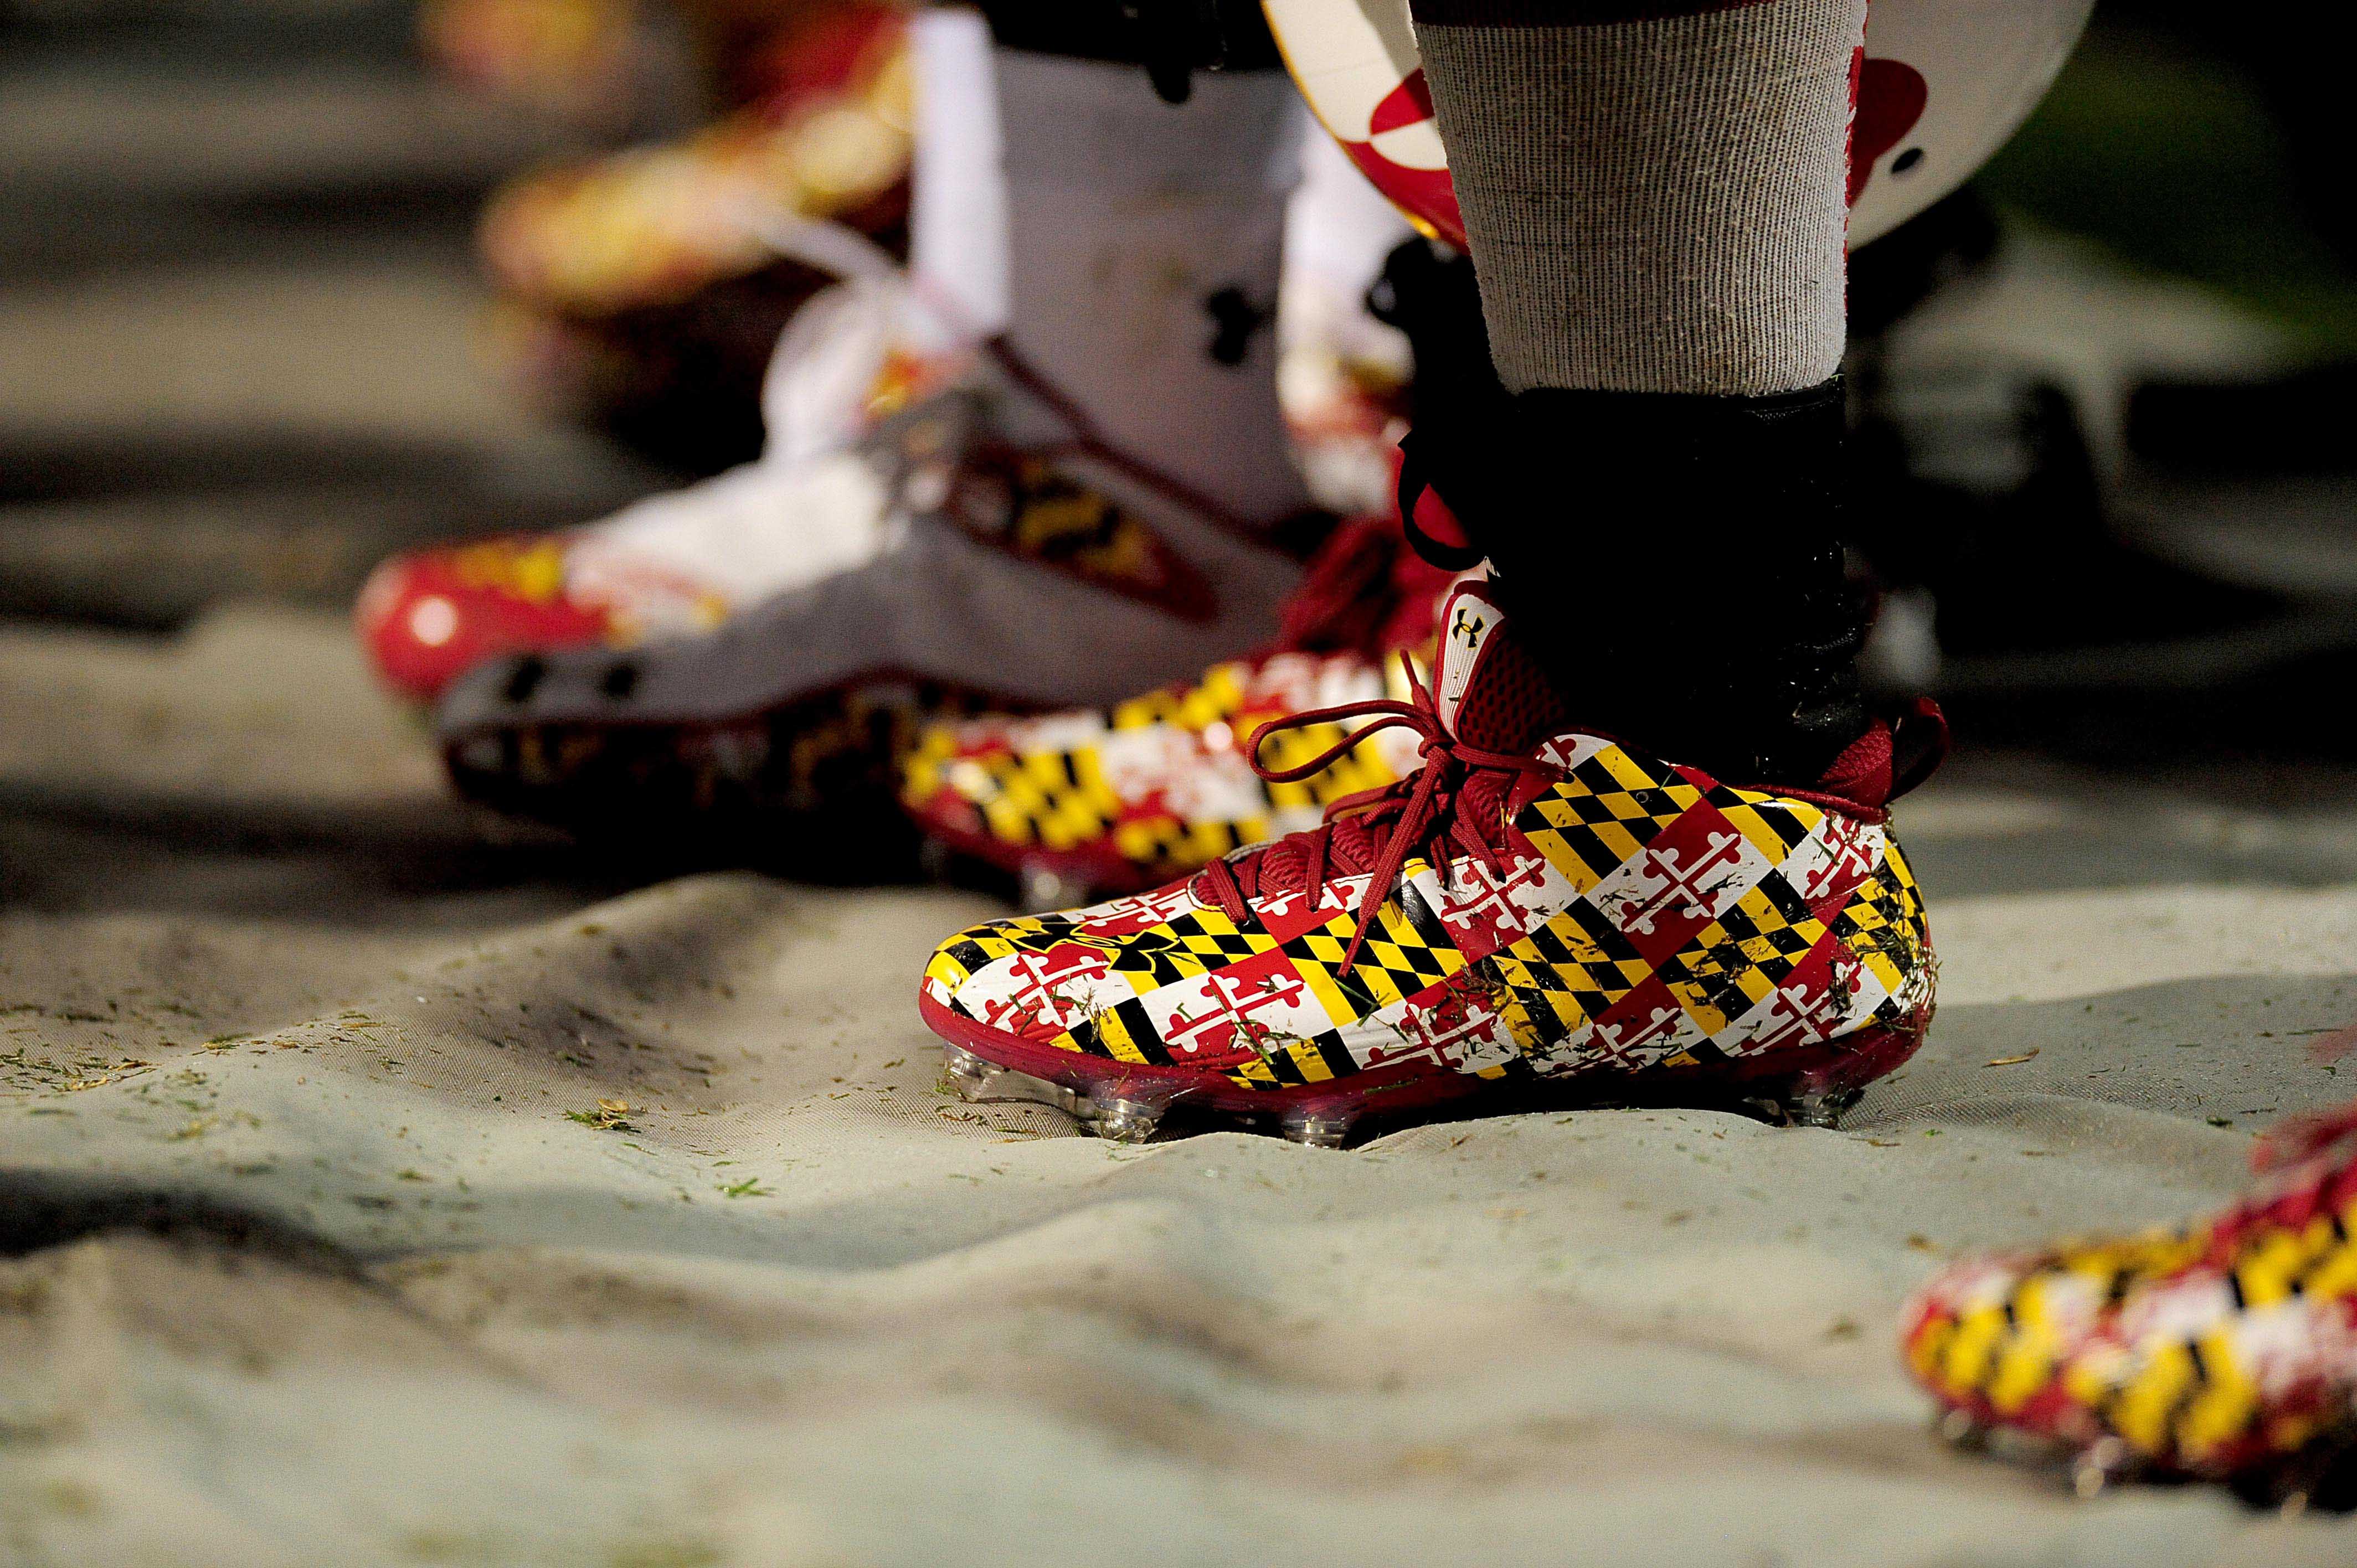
(1962, 1429)
(978, 1080)
(969, 1075)
(1041, 890)
(1124, 1120)
(2098, 1466)
(1821, 1110)
(1316, 1128)
(934, 862)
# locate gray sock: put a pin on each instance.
(1653, 189)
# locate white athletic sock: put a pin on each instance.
(957, 218)
(1146, 240)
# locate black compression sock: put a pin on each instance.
(1673, 562)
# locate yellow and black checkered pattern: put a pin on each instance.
(2157, 1339)
(1739, 960)
(1612, 806)
(1562, 977)
(1397, 960)
(1064, 798)
(1882, 923)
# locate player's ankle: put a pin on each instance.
(1676, 561)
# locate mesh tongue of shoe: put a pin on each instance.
(1491, 692)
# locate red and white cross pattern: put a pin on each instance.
(1235, 1014)
(1569, 749)
(1286, 912)
(1691, 873)
(1641, 1028)
(1838, 853)
(1444, 1026)
(1045, 992)
(1138, 912)
(1485, 911)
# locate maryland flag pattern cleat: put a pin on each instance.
(651, 226)
(428, 616)
(2224, 1351)
(572, 57)
(1105, 800)
(1535, 905)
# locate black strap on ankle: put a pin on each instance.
(1171, 39)
(1676, 559)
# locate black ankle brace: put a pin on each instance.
(1674, 562)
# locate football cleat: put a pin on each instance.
(676, 564)
(1118, 800)
(642, 291)
(651, 226)
(980, 547)
(1536, 908)
(2224, 1351)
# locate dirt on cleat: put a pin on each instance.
(1539, 915)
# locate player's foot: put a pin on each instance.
(675, 564)
(654, 225)
(1105, 800)
(1537, 904)
(642, 291)
(572, 57)
(981, 547)
(2224, 1351)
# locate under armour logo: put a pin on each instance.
(1468, 627)
(1234, 319)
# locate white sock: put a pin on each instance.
(1145, 244)
(957, 220)
(1133, 214)
(814, 397)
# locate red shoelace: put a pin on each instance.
(1455, 798)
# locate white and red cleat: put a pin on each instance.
(981, 547)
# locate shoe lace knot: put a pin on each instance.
(1457, 797)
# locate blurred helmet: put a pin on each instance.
(1943, 84)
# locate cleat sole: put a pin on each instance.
(1962, 1431)
(1128, 1101)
